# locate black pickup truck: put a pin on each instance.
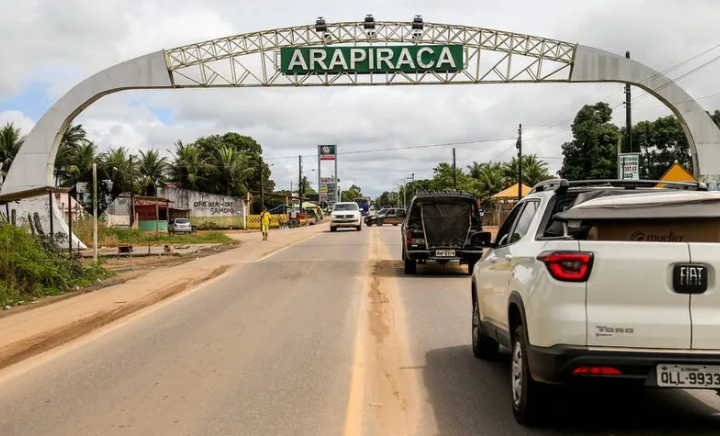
(442, 226)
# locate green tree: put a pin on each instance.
(307, 189)
(11, 139)
(592, 154)
(152, 169)
(351, 193)
(534, 170)
(443, 178)
(75, 156)
(489, 178)
(114, 164)
(386, 198)
(661, 142)
(229, 164)
(715, 116)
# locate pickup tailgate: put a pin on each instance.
(704, 292)
(630, 299)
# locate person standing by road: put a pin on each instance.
(265, 223)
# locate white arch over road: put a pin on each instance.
(251, 60)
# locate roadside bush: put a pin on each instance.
(113, 236)
(107, 236)
(32, 266)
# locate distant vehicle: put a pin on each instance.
(346, 214)
(439, 227)
(364, 204)
(602, 281)
(386, 216)
(179, 225)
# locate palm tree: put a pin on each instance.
(115, 165)
(152, 170)
(190, 165)
(475, 169)
(232, 169)
(534, 170)
(11, 139)
(73, 156)
(80, 161)
(490, 180)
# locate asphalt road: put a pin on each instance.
(327, 337)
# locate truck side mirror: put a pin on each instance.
(481, 239)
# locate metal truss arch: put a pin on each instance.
(251, 60)
(222, 62)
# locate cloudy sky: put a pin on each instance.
(50, 45)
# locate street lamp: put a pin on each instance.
(369, 25)
(404, 192)
(321, 27)
(417, 26)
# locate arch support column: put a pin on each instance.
(33, 166)
(595, 65)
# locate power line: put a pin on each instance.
(410, 147)
(654, 76)
(681, 102)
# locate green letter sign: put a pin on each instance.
(367, 60)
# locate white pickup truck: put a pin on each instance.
(602, 281)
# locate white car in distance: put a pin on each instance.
(346, 214)
(600, 282)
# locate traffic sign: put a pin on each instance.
(629, 166)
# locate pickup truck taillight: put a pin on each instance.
(567, 266)
(408, 237)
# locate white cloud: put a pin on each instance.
(18, 119)
(75, 38)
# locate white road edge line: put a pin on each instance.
(285, 248)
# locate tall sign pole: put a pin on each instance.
(300, 182)
(319, 186)
(329, 152)
(262, 187)
(454, 171)
(518, 145)
(132, 194)
(95, 217)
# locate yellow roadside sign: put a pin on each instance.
(676, 173)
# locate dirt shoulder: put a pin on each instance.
(38, 327)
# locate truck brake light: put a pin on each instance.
(567, 266)
(408, 237)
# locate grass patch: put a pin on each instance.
(34, 266)
(114, 236)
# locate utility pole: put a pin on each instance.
(95, 217)
(518, 145)
(454, 171)
(413, 185)
(628, 113)
(404, 195)
(300, 184)
(132, 194)
(262, 190)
